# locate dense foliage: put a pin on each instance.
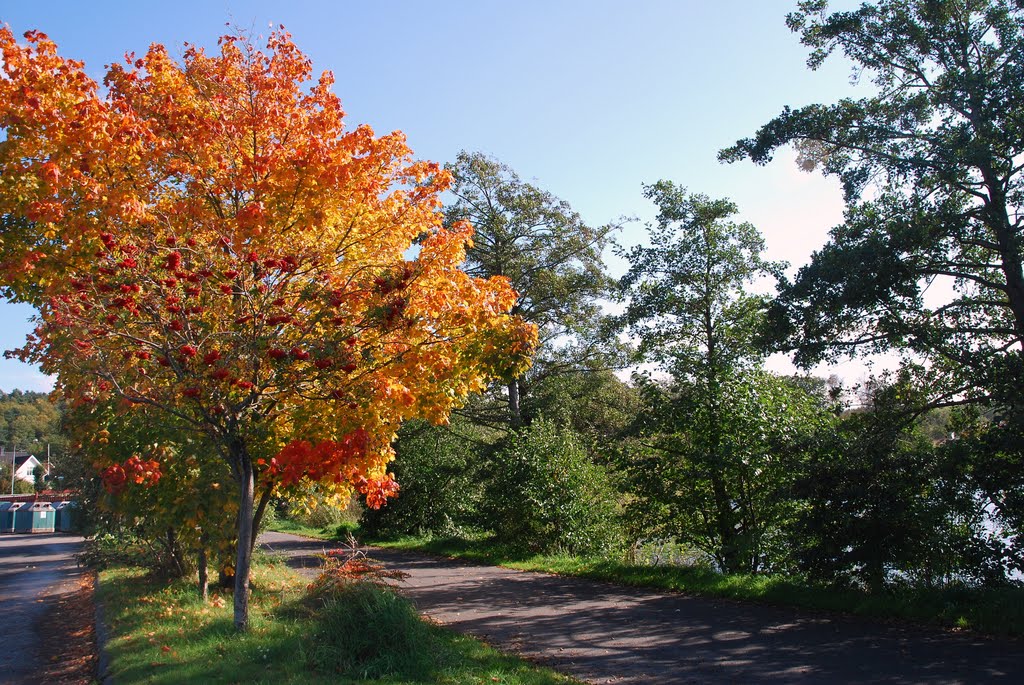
(551, 257)
(933, 179)
(439, 469)
(716, 478)
(879, 504)
(208, 240)
(545, 494)
(708, 438)
(928, 262)
(31, 421)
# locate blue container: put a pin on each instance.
(6, 518)
(41, 517)
(65, 516)
(21, 517)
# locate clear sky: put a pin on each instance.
(589, 99)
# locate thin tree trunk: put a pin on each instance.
(725, 524)
(204, 569)
(515, 414)
(245, 539)
(257, 518)
(173, 552)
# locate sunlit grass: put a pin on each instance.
(338, 531)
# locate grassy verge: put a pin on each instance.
(338, 532)
(991, 611)
(162, 632)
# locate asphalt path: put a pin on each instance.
(604, 633)
(33, 570)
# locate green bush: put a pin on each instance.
(437, 471)
(127, 549)
(270, 517)
(367, 631)
(544, 494)
(323, 516)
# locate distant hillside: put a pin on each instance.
(30, 420)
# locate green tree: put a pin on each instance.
(159, 484)
(439, 468)
(715, 472)
(549, 254)
(692, 311)
(544, 494)
(932, 173)
(31, 421)
(878, 502)
(596, 405)
(442, 469)
(688, 294)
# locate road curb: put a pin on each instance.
(102, 637)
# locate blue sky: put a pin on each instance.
(587, 98)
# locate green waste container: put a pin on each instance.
(35, 517)
(6, 518)
(64, 521)
(22, 517)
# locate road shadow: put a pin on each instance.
(603, 632)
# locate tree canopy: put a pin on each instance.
(689, 299)
(208, 239)
(931, 165)
(552, 258)
(704, 471)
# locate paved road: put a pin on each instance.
(604, 633)
(33, 569)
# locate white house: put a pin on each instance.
(24, 464)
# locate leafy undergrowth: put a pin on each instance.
(992, 611)
(162, 632)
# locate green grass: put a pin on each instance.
(991, 611)
(161, 632)
(334, 532)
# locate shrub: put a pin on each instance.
(545, 495)
(128, 549)
(437, 472)
(349, 565)
(364, 629)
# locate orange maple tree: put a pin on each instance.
(208, 239)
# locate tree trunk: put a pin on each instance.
(204, 569)
(243, 562)
(1009, 246)
(515, 414)
(257, 518)
(174, 553)
(726, 525)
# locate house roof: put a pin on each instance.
(19, 460)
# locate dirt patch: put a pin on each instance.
(68, 645)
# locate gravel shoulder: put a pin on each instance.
(604, 633)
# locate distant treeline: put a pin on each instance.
(29, 421)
